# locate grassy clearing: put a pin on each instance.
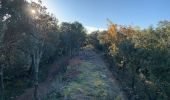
(91, 82)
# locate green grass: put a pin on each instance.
(90, 83)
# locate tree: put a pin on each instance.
(72, 36)
(41, 20)
(32, 37)
(2, 50)
(2, 59)
(20, 28)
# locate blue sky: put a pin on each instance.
(93, 13)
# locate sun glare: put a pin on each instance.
(33, 11)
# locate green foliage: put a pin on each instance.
(72, 37)
(142, 60)
(26, 32)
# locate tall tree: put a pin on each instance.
(3, 27)
(2, 59)
(43, 22)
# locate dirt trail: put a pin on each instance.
(96, 59)
(46, 86)
(87, 78)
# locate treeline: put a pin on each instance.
(139, 58)
(29, 38)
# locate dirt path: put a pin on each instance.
(87, 78)
(47, 86)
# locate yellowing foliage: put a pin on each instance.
(115, 35)
(112, 31)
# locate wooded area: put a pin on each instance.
(141, 58)
(31, 38)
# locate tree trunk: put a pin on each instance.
(36, 61)
(1, 83)
(36, 83)
(36, 72)
(36, 97)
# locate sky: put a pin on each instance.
(93, 14)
